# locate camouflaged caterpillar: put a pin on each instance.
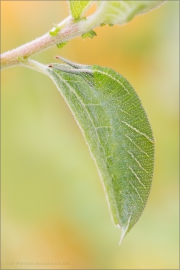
(117, 131)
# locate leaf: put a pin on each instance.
(119, 12)
(89, 34)
(54, 31)
(77, 8)
(61, 45)
(117, 131)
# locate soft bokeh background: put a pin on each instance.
(53, 205)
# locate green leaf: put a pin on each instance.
(22, 58)
(77, 8)
(80, 19)
(117, 131)
(54, 31)
(119, 12)
(61, 45)
(89, 34)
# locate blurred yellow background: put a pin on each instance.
(54, 209)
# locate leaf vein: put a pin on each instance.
(137, 161)
(139, 180)
(114, 79)
(136, 145)
(135, 129)
(136, 192)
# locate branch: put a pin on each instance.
(68, 29)
(108, 12)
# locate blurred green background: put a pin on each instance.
(53, 205)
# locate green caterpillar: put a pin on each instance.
(117, 131)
